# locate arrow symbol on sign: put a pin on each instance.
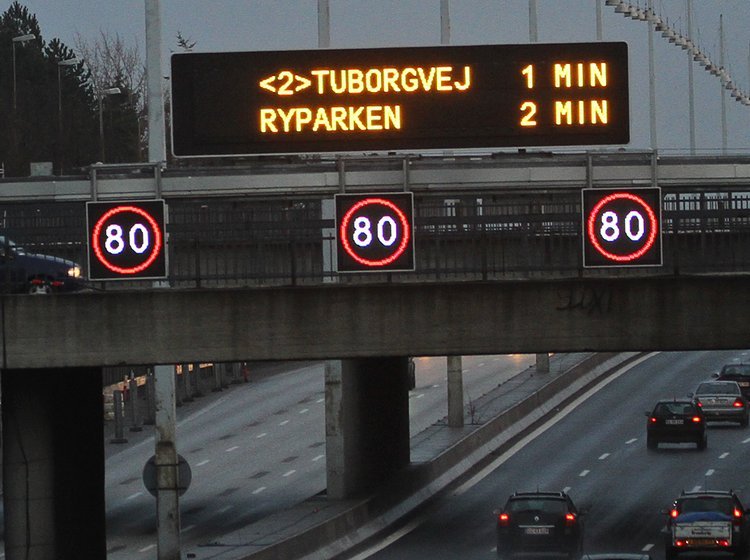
(290, 83)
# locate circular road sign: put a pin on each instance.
(126, 240)
(184, 475)
(622, 227)
(375, 232)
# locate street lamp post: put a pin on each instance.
(68, 62)
(19, 39)
(102, 93)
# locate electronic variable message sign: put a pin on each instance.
(621, 227)
(271, 102)
(375, 232)
(126, 240)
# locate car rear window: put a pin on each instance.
(717, 389)
(541, 505)
(738, 370)
(708, 503)
(679, 408)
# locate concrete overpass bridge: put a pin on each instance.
(498, 271)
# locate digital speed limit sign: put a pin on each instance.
(622, 227)
(375, 232)
(126, 240)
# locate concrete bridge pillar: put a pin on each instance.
(53, 464)
(367, 423)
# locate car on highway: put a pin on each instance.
(676, 421)
(539, 522)
(722, 401)
(24, 272)
(739, 373)
(707, 521)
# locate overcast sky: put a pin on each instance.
(250, 25)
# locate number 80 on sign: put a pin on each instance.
(126, 240)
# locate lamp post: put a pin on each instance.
(102, 93)
(19, 39)
(68, 62)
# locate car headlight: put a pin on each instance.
(74, 272)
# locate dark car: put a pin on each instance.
(676, 421)
(29, 273)
(539, 522)
(707, 521)
(722, 401)
(739, 373)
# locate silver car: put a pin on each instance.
(721, 401)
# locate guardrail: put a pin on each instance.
(236, 241)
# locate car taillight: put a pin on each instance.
(697, 419)
(570, 518)
(722, 542)
(738, 403)
(700, 404)
(503, 519)
(737, 513)
(653, 419)
(679, 543)
(674, 513)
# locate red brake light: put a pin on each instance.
(700, 404)
(723, 542)
(503, 518)
(674, 513)
(737, 513)
(653, 419)
(570, 517)
(738, 403)
(697, 419)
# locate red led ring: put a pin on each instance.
(151, 222)
(591, 224)
(404, 225)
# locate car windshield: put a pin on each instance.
(541, 505)
(664, 409)
(707, 503)
(717, 389)
(737, 370)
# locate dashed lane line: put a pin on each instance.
(603, 456)
(283, 422)
(631, 440)
(317, 458)
(647, 547)
(147, 548)
(584, 473)
(289, 473)
(133, 496)
(233, 448)
(710, 472)
(203, 462)
(724, 455)
(264, 434)
(696, 488)
(304, 411)
(258, 490)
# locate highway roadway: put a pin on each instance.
(596, 451)
(258, 448)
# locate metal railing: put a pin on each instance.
(238, 242)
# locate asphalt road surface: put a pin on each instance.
(597, 452)
(259, 448)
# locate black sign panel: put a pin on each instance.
(622, 227)
(243, 103)
(375, 232)
(126, 240)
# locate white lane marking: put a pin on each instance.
(584, 473)
(724, 455)
(289, 473)
(283, 422)
(435, 386)
(709, 472)
(147, 548)
(233, 448)
(547, 425)
(696, 488)
(390, 539)
(647, 547)
(419, 396)
(188, 528)
(320, 401)
(482, 364)
(603, 456)
(317, 458)
(304, 411)
(224, 509)
(264, 434)
(632, 440)
(133, 496)
(746, 440)
(259, 490)
(203, 462)
(566, 489)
